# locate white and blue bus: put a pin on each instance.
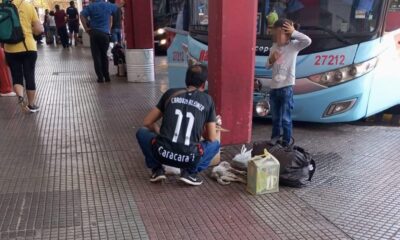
(351, 70)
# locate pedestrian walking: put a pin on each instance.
(100, 14)
(46, 21)
(21, 57)
(52, 29)
(116, 25)
(73, 23)
(60, 18)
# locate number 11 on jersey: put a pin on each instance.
(189, 129)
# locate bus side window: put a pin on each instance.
(393, 16)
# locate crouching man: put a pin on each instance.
(186, 115)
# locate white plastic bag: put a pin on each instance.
(241, 160)
(171, 170)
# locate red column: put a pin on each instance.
(139, 17)
(232, 40)
(128, 24)
(5, 78)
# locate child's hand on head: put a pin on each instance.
(288, 28)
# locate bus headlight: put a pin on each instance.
(262, 108)
(344, 74)
(160, 31)
(163, 42)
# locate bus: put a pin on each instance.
(349, 72)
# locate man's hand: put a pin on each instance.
(288, 28)
(219, 121)
(274, 57)
(88, 30)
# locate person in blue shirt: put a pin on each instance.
(116, 25)
(100, 14)
(73, 22)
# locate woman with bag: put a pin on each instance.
(21, 57)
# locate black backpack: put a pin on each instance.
(10, 24)
(296, 165)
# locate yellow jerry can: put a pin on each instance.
(263, 174)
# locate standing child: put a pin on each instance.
(282, 59)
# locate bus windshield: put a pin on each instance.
(159, 8)
(337, 22)
(165, 12)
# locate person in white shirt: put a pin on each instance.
(52, 29)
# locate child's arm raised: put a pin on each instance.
(301, 40)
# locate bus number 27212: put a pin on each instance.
(329, 60)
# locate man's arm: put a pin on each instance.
(111, 22)
(150, 121)
(210, 133)
(85, 23)
(83, 16)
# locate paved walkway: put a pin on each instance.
(74, 171)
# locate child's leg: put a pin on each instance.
(276, 112)
(287, 108)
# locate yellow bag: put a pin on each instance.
(263, 174)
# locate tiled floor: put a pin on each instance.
(74, 171)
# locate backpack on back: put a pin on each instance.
(296, 165)
(10, 25)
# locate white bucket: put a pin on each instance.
(140, 65)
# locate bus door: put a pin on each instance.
(393, 22)
(385, 91)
